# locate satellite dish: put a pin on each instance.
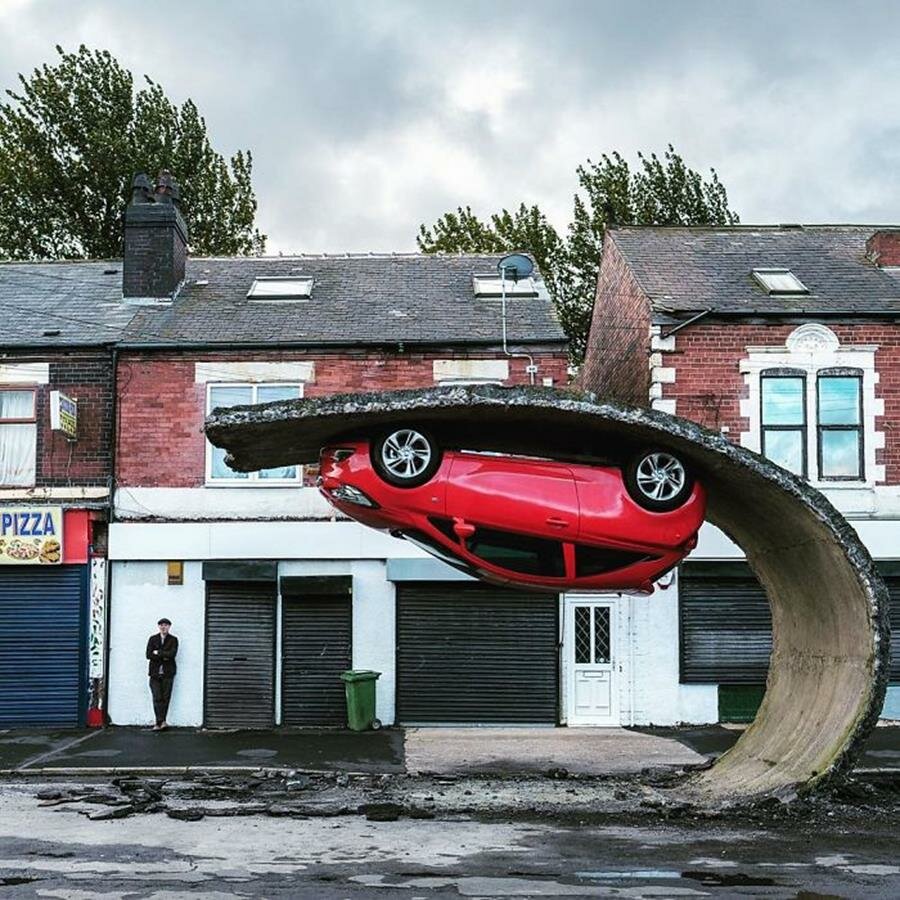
(515, 266)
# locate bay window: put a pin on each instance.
(225, 395)
(18, 437)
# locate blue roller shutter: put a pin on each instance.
(42, 646)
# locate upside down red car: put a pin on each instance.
(521, 520)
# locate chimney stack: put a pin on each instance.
(155, 245)
(883, 248)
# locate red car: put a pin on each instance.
(521, 520)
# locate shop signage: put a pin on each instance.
(31, 535)
(64, 414)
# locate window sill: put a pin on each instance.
(267, 485)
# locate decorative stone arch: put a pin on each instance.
(829, 665)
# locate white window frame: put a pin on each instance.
(32, 421)
(253, 480)
(811, 349)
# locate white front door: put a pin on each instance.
(593, 697)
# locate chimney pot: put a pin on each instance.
(883, 247)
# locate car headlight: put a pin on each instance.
(350, 494)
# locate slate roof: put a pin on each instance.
(412, 298)
(78, 300)
(689, 269)
(358, 299)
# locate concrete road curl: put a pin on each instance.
(829, 665)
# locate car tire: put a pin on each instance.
(658, 480)
(405, 456)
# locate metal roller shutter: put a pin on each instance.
(468, 653)
(240, 654)
(316, 647)
(42, 645)
(725, 625)
(893, 583)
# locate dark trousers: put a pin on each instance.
(161, 688)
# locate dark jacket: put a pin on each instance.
(165, 657)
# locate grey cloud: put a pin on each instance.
(367, 118)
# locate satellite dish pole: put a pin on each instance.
(514, 266)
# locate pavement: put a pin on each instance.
(477, 751)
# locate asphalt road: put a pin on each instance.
(56, 851)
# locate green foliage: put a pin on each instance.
(72, 138)
(657, 192)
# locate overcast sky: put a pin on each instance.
(367, 118)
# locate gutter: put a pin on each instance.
(313, 345)
(700, 315)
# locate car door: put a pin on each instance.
(525, 496)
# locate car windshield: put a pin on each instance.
(518, 552)
(597, 560)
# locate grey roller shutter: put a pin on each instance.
(469, 653)
(316, 648)
(240, 655)
(725, 625)
(893, 583)
(42, 646)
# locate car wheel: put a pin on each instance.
(405, 457)
(658, 480)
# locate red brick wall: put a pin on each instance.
(86, 376)
(708, 385)
(617, 361)
(161, 409)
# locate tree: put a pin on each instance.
(657, 192)
(72, 138)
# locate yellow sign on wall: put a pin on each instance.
(31, 536)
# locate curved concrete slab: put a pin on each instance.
(828, 671)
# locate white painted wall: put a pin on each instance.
(254, 540)
(659, 699)
(249, 500)
(140, 597)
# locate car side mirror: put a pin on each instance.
(462, 529)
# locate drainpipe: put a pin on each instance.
(110, 517)
(531, 369)
(686, 322)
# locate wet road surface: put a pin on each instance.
(50, 848)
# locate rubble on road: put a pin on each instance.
(556, 796)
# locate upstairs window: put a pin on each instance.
(840, 433)
(784, 419)
(779, 282)
(18, 437)
(225, 395)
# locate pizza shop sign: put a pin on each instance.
(31, 536)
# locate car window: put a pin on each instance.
(518, 552)
(430, 545)
(597, 560)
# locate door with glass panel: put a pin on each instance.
(593, 687)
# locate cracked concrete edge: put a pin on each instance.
(543, 422)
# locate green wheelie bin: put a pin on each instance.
(359, 685)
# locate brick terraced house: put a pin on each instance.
(271, 594)
(787, 340)
(59, 323)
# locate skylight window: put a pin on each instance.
(780, 281)
(490, 286)
(280, 289)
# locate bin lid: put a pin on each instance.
(360, 675)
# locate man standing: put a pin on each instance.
(161, 650)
